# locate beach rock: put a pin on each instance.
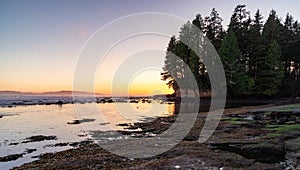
(10, 157)
(109, 101)
(101, 101)
(81, 121)
(81, 143)
(74, 144)
(191, 138)
(124, 124)
(86, 120)
(264, 152)
(106, 123)
(39, 138)
(75, 122)
(293, 144)
(61, 144)
(60, 102)
(133, 101)
(241, 141)
(30, 150)
(131, 127)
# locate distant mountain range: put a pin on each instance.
(54, 93)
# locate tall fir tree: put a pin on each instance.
(288, 58)
(198, 22)
(184, 51)
(202, 76)
(273, 29)
(238, 82)
(169, 73)
(181, 60)
(293, 51)
(240, 24)
(214, 29)
(271, 72)
(254, 40)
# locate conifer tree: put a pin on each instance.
(238, 82)
(270, 73)
(254, 40)
(214, 29)
(240, 23)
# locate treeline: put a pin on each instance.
(260, 57)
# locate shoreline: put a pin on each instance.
(242, 136)
(204, 101)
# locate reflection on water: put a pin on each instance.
(18, 123)
(109, 115)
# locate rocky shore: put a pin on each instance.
(263, 137)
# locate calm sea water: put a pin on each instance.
(20, 122)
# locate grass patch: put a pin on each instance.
(274, 135)
(235, 120)
(231, 119)
(290, 122)
(268, 113)
(282, 129)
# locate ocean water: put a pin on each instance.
(19, 121)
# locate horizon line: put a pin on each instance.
(71, 91)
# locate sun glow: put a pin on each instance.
(148, 83)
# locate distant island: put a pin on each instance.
(52, 93)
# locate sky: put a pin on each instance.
(40, 41)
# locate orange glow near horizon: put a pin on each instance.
(148, 83)
(145, 83)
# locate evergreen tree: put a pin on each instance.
(258, 59)
(198, 22)
(288, 23)
(254, 40)
(270, 73)
(238, 18)
(176, 68)
(292, 57)
(169, 73)
(197, 61)
(238, 82)
(240, 23)
(184, 51)
(273, 29)
(287, 43)
(287, 39)
(296, 28)
(213, 28)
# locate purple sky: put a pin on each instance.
(41, 40)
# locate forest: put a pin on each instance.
(260, 57)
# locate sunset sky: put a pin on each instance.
(40, 41)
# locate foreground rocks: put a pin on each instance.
(243, 140)
(37, 138)
(16, 156)
(10, 157)
(75, 122)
